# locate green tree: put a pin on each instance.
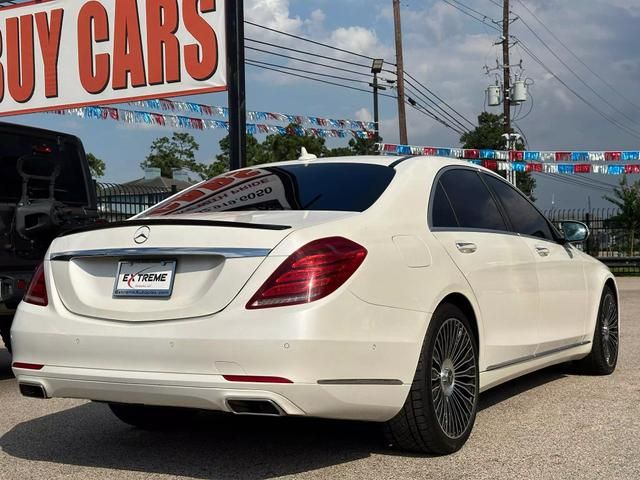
(175, 153)
(627, 198)
(275, 148)
(488, 135)
(96, 166)
(357, 146)
(279, 148)
(255, 156)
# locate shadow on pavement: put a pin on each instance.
(5, 364)
(215, 445)
(521, 385)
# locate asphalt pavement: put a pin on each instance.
(549, 425)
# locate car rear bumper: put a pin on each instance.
(345, 358)
(213, 392)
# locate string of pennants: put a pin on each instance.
(214, 111)
(180, 121)
(566, 162)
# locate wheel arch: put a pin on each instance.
(463, 303)
(596, 289)
(610, 282)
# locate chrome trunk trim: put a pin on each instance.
(161, 252)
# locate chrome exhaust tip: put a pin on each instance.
(33, 391)
(266, 408)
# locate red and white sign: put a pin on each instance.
(59, 54)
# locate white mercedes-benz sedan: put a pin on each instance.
(391, 290)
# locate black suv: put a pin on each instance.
(45, 189)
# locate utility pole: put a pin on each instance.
(506, 60)
(402, 110)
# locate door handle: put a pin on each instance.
(543, 251)
(466, 247)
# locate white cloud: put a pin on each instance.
(364, 115)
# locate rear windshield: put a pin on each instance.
(40, 156)
(349, 187)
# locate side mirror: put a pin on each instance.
(575, 232)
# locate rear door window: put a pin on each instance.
(473, 205)
(524, 217)
(442, 211)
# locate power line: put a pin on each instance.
(314, 42)
(496, 3)
(478, 19)
(580, 79)
(464, 5)
(567, 180)
(582, 181)
(574, 55)
(336, 77)
(580, 97)
(440, 99)
(315, 79)
(324, 65)
(412, 89)
(420, 107)
(306, 77)
(304, 60)
(290, 49)
(418, 91)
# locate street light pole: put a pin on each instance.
(376, 111)
(376, 68)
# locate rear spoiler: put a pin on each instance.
(179, 222)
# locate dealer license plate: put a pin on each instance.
(145, 279)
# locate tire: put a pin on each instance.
(603, 358)
(5, 331)
(440, 410)
(149, 417)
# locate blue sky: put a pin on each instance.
(447, 51)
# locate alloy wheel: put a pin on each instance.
(609, 330)
(453, 378)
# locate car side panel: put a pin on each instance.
(502, 274)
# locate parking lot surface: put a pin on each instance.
(549, 425)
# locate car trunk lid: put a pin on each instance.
(208, 259)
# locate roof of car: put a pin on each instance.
(386, 161)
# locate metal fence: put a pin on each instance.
(120, 202)
(610, 242)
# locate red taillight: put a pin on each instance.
(37, 292)
(311, 273)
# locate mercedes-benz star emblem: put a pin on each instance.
(142, 235)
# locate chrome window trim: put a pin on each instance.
(161, 252)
